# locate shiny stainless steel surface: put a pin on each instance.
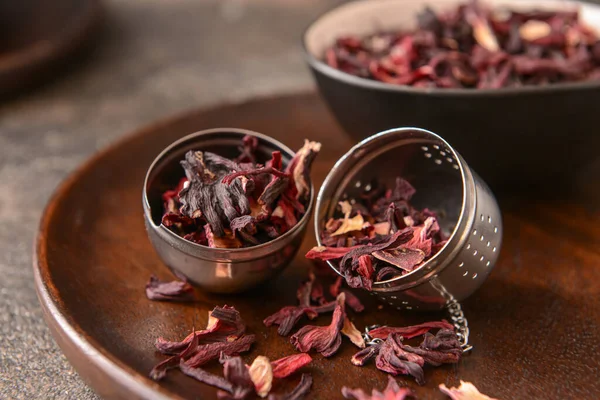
(468, 213)
(216, 270)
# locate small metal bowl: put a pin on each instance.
(216, 270)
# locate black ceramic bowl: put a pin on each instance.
(514, 138)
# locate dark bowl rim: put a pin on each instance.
(344, 77)
(302, 222)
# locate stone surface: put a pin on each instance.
(154, 58)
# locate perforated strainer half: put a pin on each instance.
(467, 211)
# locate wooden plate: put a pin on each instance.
(534, 324)
(36, 35)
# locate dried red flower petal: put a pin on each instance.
(393, 359)
(366, 354)
(443, 348)
(299, 167)
(286, 366)
(406, 259)
(288, 317)
(224, 324)
(212, 351)
(206, 377)
(409, 332)
(351, 300)
(169, 291)
(323, 339)
(248, 150)
(327, 253)
(299, 392)
(237, 373)
(466, 391)
(261, 374)
(160, 370)
(391, 392)
(350, 331)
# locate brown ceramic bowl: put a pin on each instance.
(515, 138)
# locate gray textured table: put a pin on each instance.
(155, 58)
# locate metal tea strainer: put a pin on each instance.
(467, 211)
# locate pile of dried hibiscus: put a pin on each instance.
(237, 203)
(473, 46)
(380, 235)
(223, 339)
(391, 355)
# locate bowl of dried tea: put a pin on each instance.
(512, 84)
(228, 208)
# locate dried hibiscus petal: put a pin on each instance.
(393, 359)
(206, 377)
(366, 354)
(351, 300)
(323, 339)
(224, 324)
(299, 392)
(169, 291)
(409, 331)
(261, 374)
(211, 351)
(406, 259)
(160, 370)
(443, 348)
(236, 372)
(466, 391)
(392, 392)
(288, 317)
(286, 366)
(350, 331)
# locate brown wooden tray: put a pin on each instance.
(535, 323)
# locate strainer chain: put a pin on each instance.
(461, 325)
(370, 341)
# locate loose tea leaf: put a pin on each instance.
(286, 366)
(392, 239)
(225, 203)
(169, 291)
(392, 392)
(472, 46)
(323, 339)
(466, 391)
(299, 391)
